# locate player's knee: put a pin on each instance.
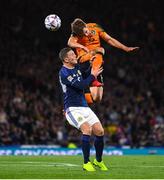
(86, 129)
(100, 132)
(100, 50)
(97, 95)
(97, 98)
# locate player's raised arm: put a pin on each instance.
(72, 42)
(114, 42)
(80, 83)
(77, 81)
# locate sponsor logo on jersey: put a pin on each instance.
(79, 72)
(79, 119)
(70, 78)
(93, 32)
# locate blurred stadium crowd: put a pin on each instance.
(132, 110)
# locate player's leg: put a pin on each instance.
(86, 133)
(86, 61)
(96, 89)
(96, 93)
(98, 131)
(87, 128)
(75, 117)
(88, 96)
(98, 61)
(93, 93)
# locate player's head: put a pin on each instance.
(79, 27)
(68, 56)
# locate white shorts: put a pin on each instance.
(76, 116)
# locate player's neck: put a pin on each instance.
(69, 66)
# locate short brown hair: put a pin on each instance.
(63, 53)
(77, 27)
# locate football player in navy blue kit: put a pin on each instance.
(77, 112)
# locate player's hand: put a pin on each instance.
(98, 50)
(131, 49)
(91, 60)
(95, 72)
(85, 49)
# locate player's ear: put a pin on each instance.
(66, 60)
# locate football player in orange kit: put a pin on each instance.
(85, 38)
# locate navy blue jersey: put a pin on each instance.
(73, 86)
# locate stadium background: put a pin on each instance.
(132, 110)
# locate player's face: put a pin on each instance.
(71, 58)
(86, 31)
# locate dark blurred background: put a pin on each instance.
(132, 110)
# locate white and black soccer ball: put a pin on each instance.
(52, 22)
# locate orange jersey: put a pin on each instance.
(92, 41)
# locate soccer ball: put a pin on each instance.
(52, 22)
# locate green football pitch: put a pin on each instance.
(70, 167)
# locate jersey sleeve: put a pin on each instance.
(77, 81)
(101, 31)
(99, 28)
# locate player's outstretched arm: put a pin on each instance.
(72, 42)
(114, 42)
